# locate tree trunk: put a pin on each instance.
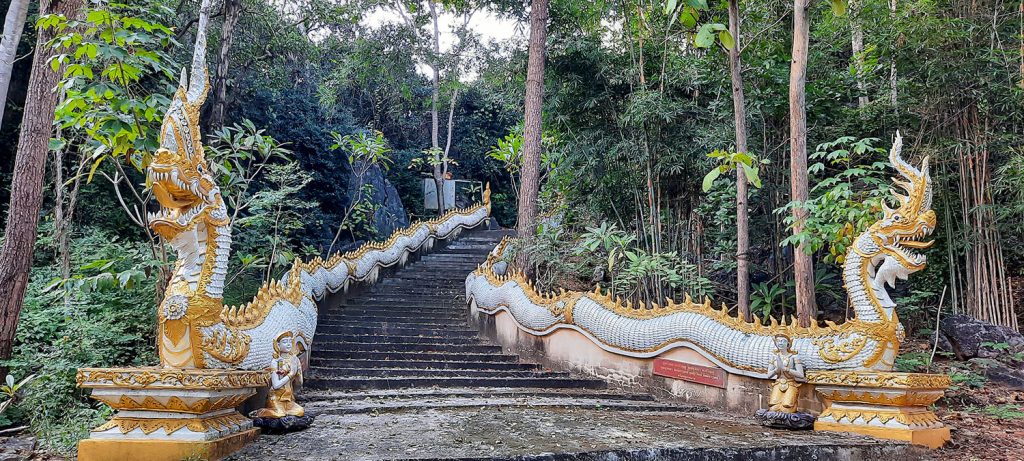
(29, 176)
(857, 46)
(232, 11)
(435, 126)
(893, 95)
(803, 266)
(13, 26)
(529, 187)
(65, 202)
(740, 114)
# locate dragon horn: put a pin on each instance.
(927, 203)
(906, 170)
(197, 86)
(918, 182)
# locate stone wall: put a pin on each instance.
(570, 350)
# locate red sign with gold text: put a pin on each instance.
(711, 376)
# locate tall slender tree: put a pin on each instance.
(232, 12)
(29, 175)
(803, 265)
(14, 23)
(740, 115)
(857, 46)
(409, 11)
(526, 225)
(435, 125)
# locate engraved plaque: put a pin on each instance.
(711, 376)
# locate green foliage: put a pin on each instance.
(730, 161)
(966, 379)
(689, 15)
(644, 274)
(607, 239)
(276, 215)
(1004, 412)
(431, 157)
(72, 325)
(913, 362)
(365, 148)
(12, 390)
(766, 297)
(634, 107)
(509, 151)
(850, 178)
(237, 156)
(108, 104)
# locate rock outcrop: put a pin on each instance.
(390, 214)
(970, 338)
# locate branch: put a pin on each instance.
(754, 37)
(115, 181)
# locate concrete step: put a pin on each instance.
(401, 382)
(469, 392)
(425, 364)
(331, 372)
(383, 313)
(395, 330)
(403, 300)
(417, 290)
(452, 269)
(454, 318)
(398, 306)
(495, 404)
(327, 340)
(327, 348)
(447, 259)
(413, 355)
(476, 251)
(397, 318)
(327, 322)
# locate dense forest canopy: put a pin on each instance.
(320, 129)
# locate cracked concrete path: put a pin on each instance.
(515, 433)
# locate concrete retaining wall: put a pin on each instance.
(570, 350)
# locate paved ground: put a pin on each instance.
(516, 433)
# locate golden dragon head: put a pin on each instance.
(179, 175)
(890, 243)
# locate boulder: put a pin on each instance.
(16, 448)
(999, 372)
(972, 338)
(390, 215)
(943, 343)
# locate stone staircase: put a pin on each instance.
(404, 343)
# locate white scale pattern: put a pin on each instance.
(738, 352)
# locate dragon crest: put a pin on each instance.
(889, 244)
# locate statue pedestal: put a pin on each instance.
(169, 414)
(884, 405)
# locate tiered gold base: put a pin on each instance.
(169, 414)
(163, 450)
(885, 405)
(931, 438)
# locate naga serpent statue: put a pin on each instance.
(196, 329)
(870, 341)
